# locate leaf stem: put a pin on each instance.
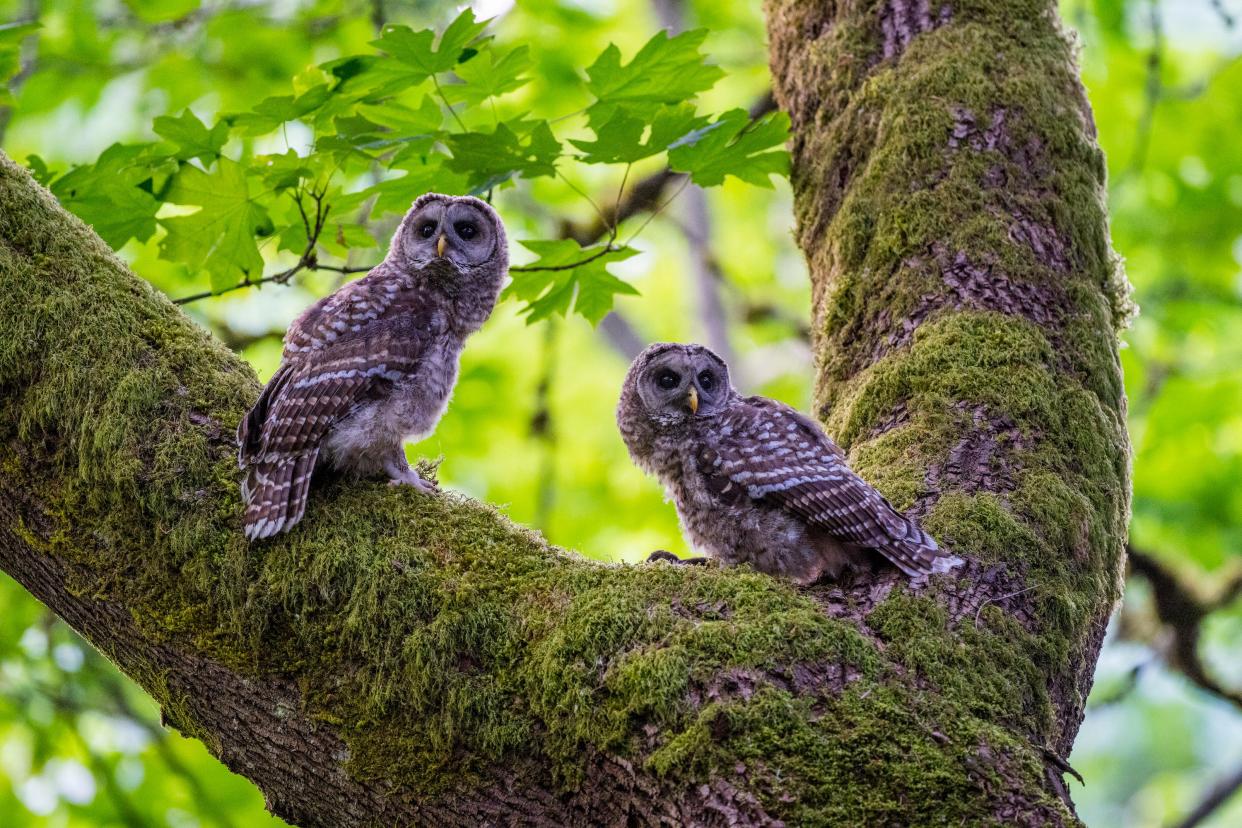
(308, 260)
(449, 106)
(603, 251)
(657, 211)
(612, 228)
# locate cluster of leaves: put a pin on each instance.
(420, 113)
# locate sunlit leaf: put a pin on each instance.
(621, 138)
(220, 237)
(573, 277)
(274, 111)
(282, 171)
(420, 51)
(665, 70)
(422, 175)
(191, 136)
(492, 158)
(734, 145)
(489, 76)
(107, 195)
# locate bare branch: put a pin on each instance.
(308, 261)
(1183, 613)
(1219, 794)
(603, 251)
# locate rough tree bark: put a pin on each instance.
(402, 659)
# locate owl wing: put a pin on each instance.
(771, 454)
(320, 389)
(311, 392)
(344, 313)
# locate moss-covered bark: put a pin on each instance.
(950, 199)
(405, 659)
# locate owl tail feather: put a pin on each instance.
(275, 492)
(916, 553)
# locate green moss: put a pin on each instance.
(434, 635)
(439, 639)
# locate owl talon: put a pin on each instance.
(409, 477)
(420, 484)
(669, 557)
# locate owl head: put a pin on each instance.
(461, 230)
(671, 384)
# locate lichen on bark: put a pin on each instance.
(420, 659)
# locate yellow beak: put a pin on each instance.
(692, 399)
(440, 246)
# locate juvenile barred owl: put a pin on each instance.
(373, 364)
(755, 481)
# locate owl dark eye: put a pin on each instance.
(706, 381)
(667, 379)
(427, 229)
(466, 229)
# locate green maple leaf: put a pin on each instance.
(419, 50)
(220, 237)
(271, 112)
(734, 145)
(488, 159)
(39, 169)
(487, 76)
(283, 171)
(425, 174)
(620, 138)
(406, 121)
(588, 288)
(666, 70)
(191, 136)
(108, 194)
(412, 132)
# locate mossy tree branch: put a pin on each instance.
(410, 659)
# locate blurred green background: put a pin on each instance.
(531, 427)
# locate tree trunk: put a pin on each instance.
(407, 659)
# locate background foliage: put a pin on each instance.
(220, 143)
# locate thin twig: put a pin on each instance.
(603, 251)
(1219, 794)
(616, 205)
(607, 248)
(657, 211)
(610, 224)
(997, 601)
(1059, 762)
(1225, 17)
(307, 261)
(1183, 613)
